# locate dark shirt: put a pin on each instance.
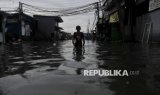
(78, 36)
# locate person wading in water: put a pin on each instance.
(78, 38)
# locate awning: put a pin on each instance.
(58, 28)
(59, 19)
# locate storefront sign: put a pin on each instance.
(114, 18)
(154, 4)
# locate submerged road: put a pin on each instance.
(41, 68)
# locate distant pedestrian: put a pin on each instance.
(78, 38)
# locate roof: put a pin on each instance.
(57, 18)
(3, 13)
(58, 28)
(26, 17)
(23, 14)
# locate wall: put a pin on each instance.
(45, 26)
(154, 19)
(140, 25)
(1, 37)
(143, 17)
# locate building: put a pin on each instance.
(3, 17)
(47, 27)
(120, 17)
(112, 22)
(19, 28)
(148, 21)
(138, 20)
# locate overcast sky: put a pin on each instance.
(70, 22)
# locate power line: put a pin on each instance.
(60, 11)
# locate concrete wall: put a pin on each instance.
(140, 25)
(153, 18)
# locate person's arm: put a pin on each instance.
(73, 39)
(83, 39)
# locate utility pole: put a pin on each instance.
(20, 10)
(88, 30)
(97, 25)
(100, 7)
(4, 28)
(20, 18)
(97, 12)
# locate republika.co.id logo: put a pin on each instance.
(109, 73)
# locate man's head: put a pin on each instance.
(78, 28)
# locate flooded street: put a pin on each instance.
(42, 68)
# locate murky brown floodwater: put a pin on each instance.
(40, 68)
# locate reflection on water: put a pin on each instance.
(77, 59)
(78, 53)
(17, 59)
(87, 54)
(59, 67)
